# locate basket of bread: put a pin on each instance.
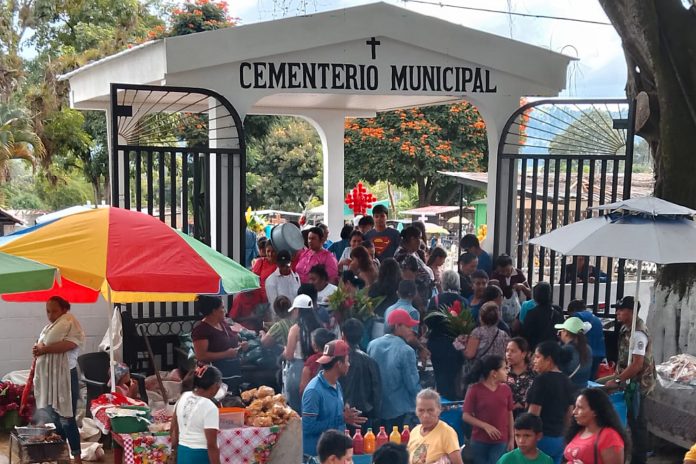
(265, 409)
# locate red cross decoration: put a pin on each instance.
(359, 199)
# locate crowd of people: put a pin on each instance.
(521, 374)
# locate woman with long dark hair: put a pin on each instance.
(539, 323)
(436, 260)
(215, 343)
(551, 397)
(299, 348)
(488, 409)
(576, 358)
(361, 264)
(520, 374)
(595, 435)
(386, 285)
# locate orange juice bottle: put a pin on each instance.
(369, 442)
(395, 436)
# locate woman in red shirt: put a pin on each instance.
(250, 308)
(488, 409)
(595, 435)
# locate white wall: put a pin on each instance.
(21, 323)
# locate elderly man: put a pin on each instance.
(398, 369)
(316, 254)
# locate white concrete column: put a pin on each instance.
(330, 126)
(495, 114)
(122, 168)
(223, 134)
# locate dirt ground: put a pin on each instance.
(665, 453)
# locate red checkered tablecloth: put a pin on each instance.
(244, 445)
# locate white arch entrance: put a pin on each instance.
(339, 64)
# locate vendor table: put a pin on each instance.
(243, 445)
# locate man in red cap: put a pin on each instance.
(398, 369)
(322, 400)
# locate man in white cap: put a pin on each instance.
(398, 369)
(322, 400)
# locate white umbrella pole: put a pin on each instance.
(112, 355)
(635, 310)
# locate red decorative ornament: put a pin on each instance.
(359, 199)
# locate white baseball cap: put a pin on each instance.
(302, 301)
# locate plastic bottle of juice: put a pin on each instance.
(395, 436)
(382, 438)
(405, 435)
(369, 442)
(358, 443)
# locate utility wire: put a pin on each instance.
(525, 15)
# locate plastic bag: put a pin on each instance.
(678, 372)
(510, 308)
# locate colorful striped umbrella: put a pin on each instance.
(126, 256)
(24, 275)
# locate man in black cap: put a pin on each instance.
(283, 281)
(637, 379)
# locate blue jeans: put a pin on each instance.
(66, 427)
(553, 446)
(487, 453)
(292, 374)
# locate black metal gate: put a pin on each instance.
(178, 154)
(557, 158)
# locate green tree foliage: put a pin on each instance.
(409, 147)
(17, 139)
(285, 166)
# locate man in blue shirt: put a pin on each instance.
(322, 400)
(398, 369)
(595, 337)
(406, 292)
(470, 244)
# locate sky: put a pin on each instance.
(600, 71)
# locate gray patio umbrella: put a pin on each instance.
(644, 229)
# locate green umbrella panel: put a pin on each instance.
(24, 275)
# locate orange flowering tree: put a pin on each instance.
(199, 16)
(409, 147)
(195, 16)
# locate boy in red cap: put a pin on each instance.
(322, 400)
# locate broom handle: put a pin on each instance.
(27, 388)
(152, 360)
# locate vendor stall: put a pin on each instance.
(267, 431)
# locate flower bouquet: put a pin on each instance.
(457, 320)
(10, 399)
(344, 305)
